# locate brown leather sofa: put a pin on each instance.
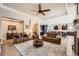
(20, 37)
(51, 37)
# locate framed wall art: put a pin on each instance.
(11, 27)
(27, 26)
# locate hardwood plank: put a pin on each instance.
(8, 48)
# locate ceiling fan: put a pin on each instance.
(41, 11)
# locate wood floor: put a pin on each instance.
(8, 49)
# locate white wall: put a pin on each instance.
(5, 30)
(65, 19)
(0, 21)
(17, 15)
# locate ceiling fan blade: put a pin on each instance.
(35, 10)
(39, 7)
(40, 11)
(37, 13)
(45, 10)
(76, 3)
(43, 13)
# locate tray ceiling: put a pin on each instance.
(57, 9)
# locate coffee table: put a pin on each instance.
(38, 43)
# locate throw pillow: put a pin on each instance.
(16, 36)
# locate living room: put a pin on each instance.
(55, 26)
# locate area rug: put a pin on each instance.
(48, 49)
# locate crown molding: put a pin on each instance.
(61, 15)
(66, 8)
(17, 11)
